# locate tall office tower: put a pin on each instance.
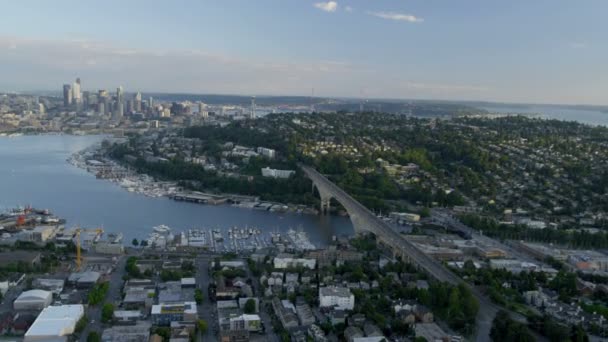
(150, 103)
(130, 106)
(92, 100)
(85, 99)
(67, 95)
(120, 96)
(118, 111)
(41, 109)
(202, 110)
(138, 102)
(103, 99)
(77, 96)
(107, 106)
(252, 111)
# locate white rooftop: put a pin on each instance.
(335, 291)
(34, 294)
(188, 281)
(186, 308)
(56, 321)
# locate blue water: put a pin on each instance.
(590, 117)
(34, 171)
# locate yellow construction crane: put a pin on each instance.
(78, 254)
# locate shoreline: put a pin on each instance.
(110, 170)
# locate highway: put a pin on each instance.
(364, 219)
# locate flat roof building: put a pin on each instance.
(53, 285)
(139, 332)
(84, 279)
(334, 296)
(164, 314)
(33, 300)
(13, 257)
(55, 323)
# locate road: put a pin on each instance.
(445, 217)
(269, 334)
(114, 295)
(9, 297)
(206, 311)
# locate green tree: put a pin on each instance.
(107, 311)
(81, 324)
(164, 332)
(249, 306)
(425, 212)
(504, 329)
(98, 293)
(135, 242)
(93, 337)
(198, 296)
(201, 325)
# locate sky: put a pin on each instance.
(533, 51)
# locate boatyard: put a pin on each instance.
(17, 219)
(230, 240)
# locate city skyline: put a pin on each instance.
(542, 52)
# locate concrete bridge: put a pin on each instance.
(364, 221)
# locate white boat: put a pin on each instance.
(162, 229)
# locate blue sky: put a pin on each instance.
(548, 51)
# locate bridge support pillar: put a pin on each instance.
(325, 199)
(358, 224)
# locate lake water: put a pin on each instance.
(34, 171)
(590, 117)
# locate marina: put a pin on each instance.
(233, 239)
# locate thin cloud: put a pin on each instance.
(397, 16)
(577, 45)
(329, 6)
(348, 9)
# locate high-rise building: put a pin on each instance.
(119, 112)
(130, 106)
(150, 103)
(202, 110)
(76, 94)
(86, 99)
(252, 110)
(41, 108)
(119, 106)
(138, 102)
(67, 95)
(120, 95)
(103, 102)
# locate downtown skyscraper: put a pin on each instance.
(67, 95)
